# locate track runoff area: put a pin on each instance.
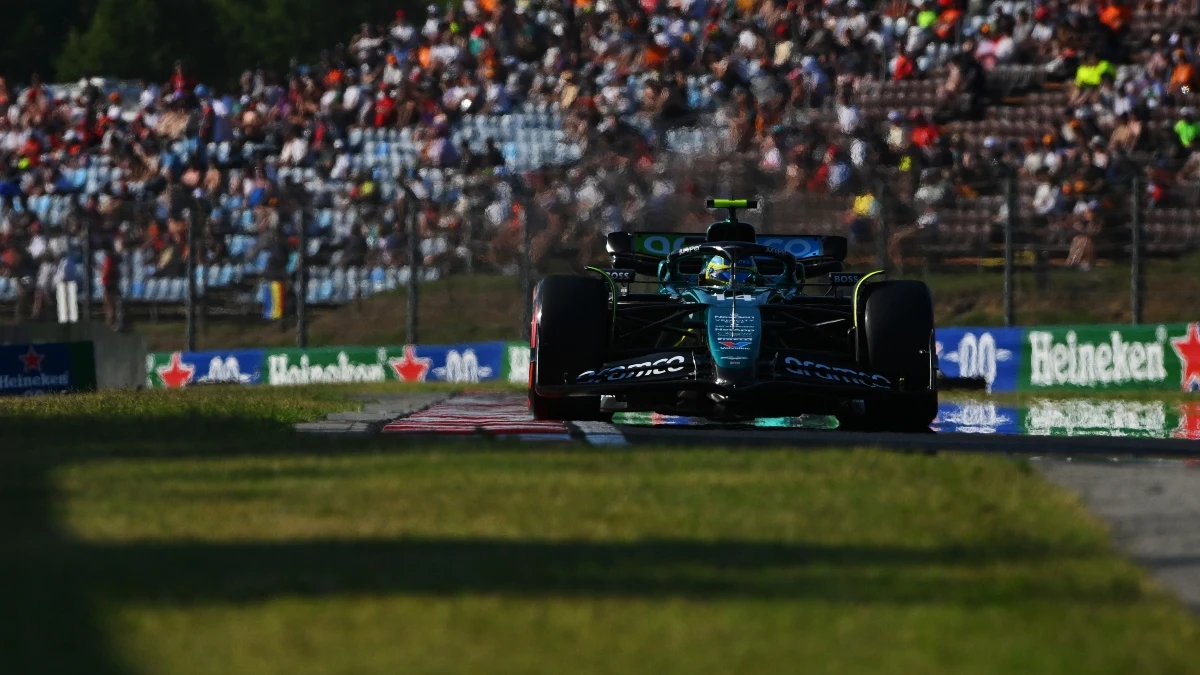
(506, 415)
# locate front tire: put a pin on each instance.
(898, 331)
(569, 336)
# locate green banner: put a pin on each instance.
(1086, 417)
(516, 363)
(336, 365)
(1163, 357)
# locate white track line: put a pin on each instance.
(600, 433)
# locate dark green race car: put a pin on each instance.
(736, 325)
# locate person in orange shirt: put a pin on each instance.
(1183, 77)
(1115, 14)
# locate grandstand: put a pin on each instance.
(881, 120)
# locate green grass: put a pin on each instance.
(208, 539)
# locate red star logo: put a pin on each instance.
(176, 374)
(410, 368)
(1189, 421)
(32, 360)
(1188, 349)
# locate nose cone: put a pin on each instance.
(734, 337)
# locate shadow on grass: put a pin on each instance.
(249, 571)
(51, 584)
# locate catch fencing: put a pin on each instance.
(1004, 253)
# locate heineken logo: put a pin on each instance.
(281, 370)
(29, 375)
(1187, 348)
(34, 381)
(1089, 364)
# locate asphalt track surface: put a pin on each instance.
(494, 414)
(1146, 489)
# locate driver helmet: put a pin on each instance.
(718, 273)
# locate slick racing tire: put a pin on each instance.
(897, 326)
(569, 336)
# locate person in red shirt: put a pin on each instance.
(385, 109)
(924, 132)
(181, 83)
(904, 67)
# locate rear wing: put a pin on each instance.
(642, 251)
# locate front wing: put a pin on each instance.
(791, 381)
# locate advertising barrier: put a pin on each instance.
(1161, 357)
(476, 362)
(990, 354)
(172, 370)
(48, 368)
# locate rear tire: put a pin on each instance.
(897, 330)
(569, 336)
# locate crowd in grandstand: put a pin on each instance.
(596, 115)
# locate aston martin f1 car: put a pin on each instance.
(735, 325)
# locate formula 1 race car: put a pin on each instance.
(733, 329)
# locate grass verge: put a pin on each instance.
(206, 538)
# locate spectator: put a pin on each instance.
(110, 280)
(1187, 128)
(1088, 77)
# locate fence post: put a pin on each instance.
(1136, 290)
(526, 266)
(414, 265)
(88, 269)
(301, 267)
(1010, 203)
(189, 335)
(881, 238)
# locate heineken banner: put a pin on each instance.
(172, 370)
(479, 362)
(1163, 357)
(990, 354)
(31, 370)
(516, 364)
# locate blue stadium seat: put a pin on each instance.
(177, 290)
(4, 284)
(138, 290)
(310, 292)
(260, 263)
(225, 276)
(378, 282)
(213, 276)
(152, 289)
(326, 292)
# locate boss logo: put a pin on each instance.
(844, 279)
(620, 275)
(663, 366)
